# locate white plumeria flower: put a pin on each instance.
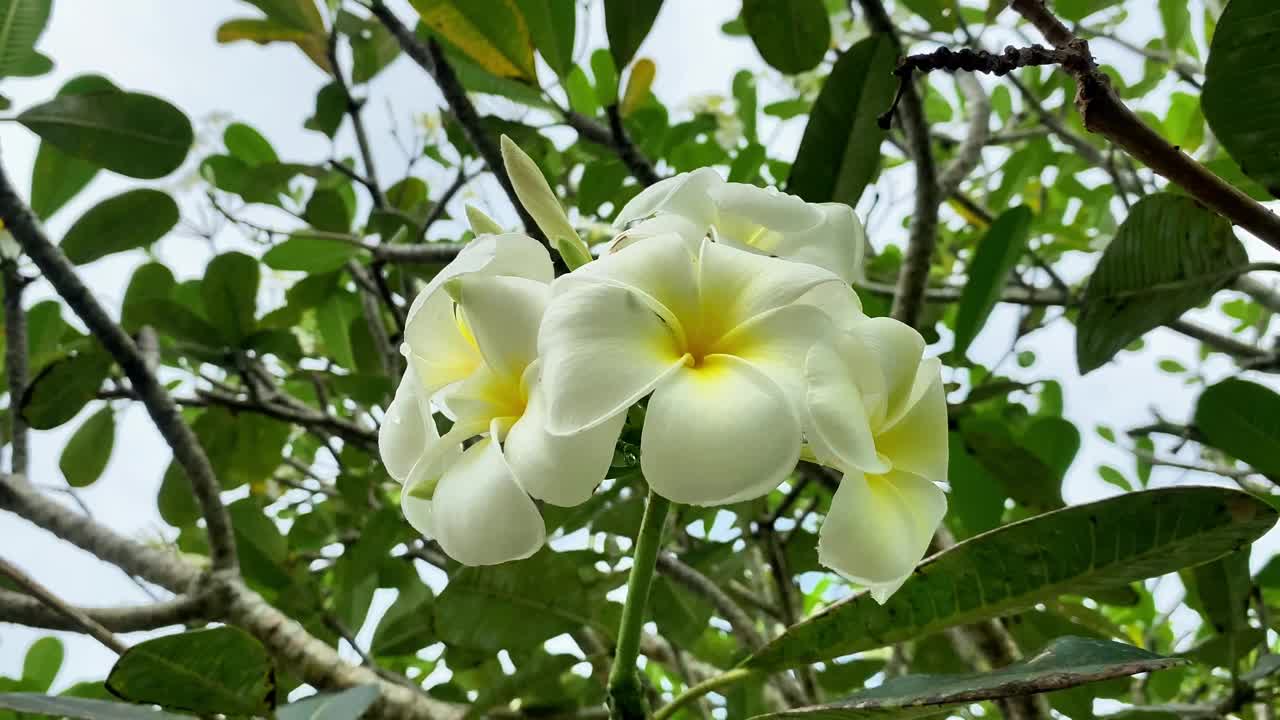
(471, 340)
(877, 412)
(716, 334)
(761, 220)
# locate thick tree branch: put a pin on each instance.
(15, 354)
(25, 610)
(1105, 114)
(19, 220)
(630, 155)
(73, 615)
(744, 627)
(969, 153)
(431, 59)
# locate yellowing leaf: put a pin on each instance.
(638, 85)
(263, 31)
(491, 32)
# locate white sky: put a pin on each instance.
(166, 48)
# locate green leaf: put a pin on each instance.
(150, 282)
(130, 133)
(1168, 256)
(349, 704)
(406, 626)
(791, 35)
(1241, 102)
(1222, 588)
(333, 319)
(513, 605)
(1025, 476)
(627, 22)
(216, 670)
(552, 24)
(131, 220)
(81, 708)
(57, 177)
(1074, 550)
(493, 33)
(373, 47)
(1055, 441)
(248, 145)
(230, 294)
(993, 260)
(174, 500)
(1242, 418)
(64, 387)
(541, 668)
(21, 24)
(41, 664)
(840, 151)
(1065, 663)
(331, 108)
(309, 254)
(89, 449)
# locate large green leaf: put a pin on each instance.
(493, 33)
(552, 23)
(230, 294)
(791, 35)
(129, 221)
(627, 22)
(1241, 98)
(1222, 590)
(56, 176)
(1168, 256)
(1074, 550)
(216, 670)
(993, 260)
(21, 24)
(840, 150)
(514, 605)
(64, 387)
(307, 253)
(130, 133)
(406, 626)
(1242, 418)
(1066, 662)
(89, 449)
(346, 705)
(81, 708)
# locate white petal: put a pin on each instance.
(514, 254)
(560, 469)
(483, 397)
(407, 428)
(761, 217)
(837, 427)
(879, 528)
(838, 301)
(504, 314)
(720, 433)
(602, 348)
(777, 343)
(735, 285)
(898, 347)
(480, 516)
(659, 225)
(836, 242)
(917, 441)
(439, 347)
(662, 270)
(686, 194)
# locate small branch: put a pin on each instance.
(969, 153)
(431, 59)
(78, 618)
(25, 610)
(370, 303)
(353, 108)
(743, 626)
(697, 691)
(627, 151)
(164, 412)
(15, 353)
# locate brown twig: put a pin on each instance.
(82, 621)
(15, 353)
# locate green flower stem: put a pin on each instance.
(702, 688)
(626, 700)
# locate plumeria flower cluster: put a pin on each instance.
(726, 311)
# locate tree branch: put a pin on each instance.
(1105, 114)
(970, 151)
(923, 236)
(81, 621)
(431, 59)
(15, 351)
(22, 609)
(19, 220)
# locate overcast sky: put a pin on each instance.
(167, 48)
